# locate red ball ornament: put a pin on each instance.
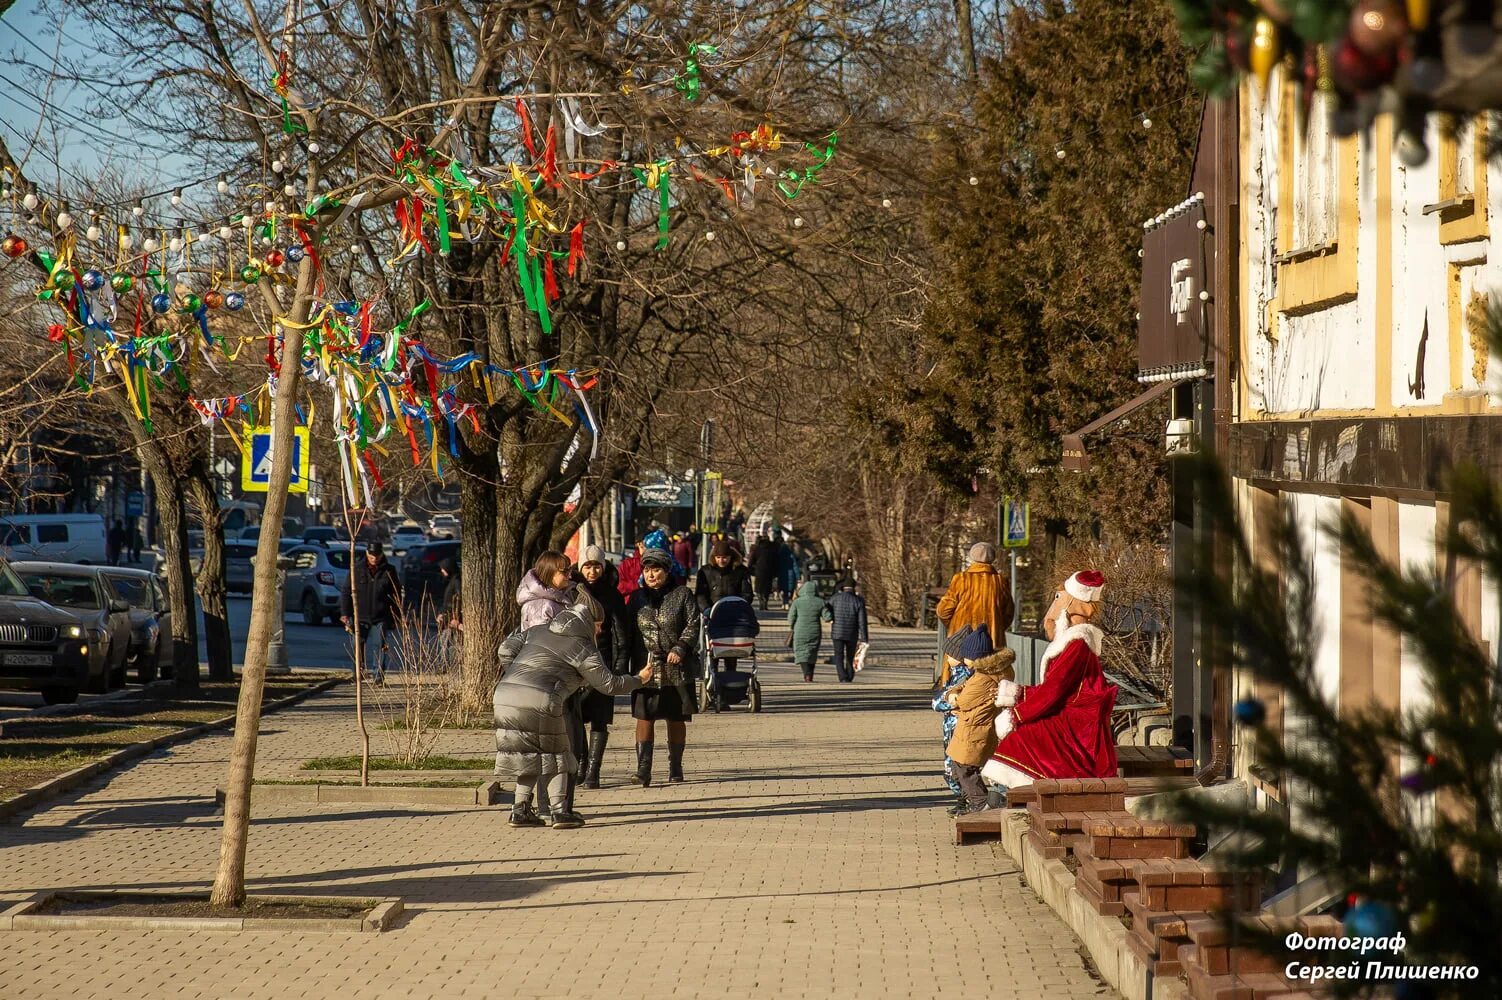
(275, 258)
(1355, 72)
(1378, 26)
(213, 299)
(12, 246)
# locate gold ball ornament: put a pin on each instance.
(1265, 52)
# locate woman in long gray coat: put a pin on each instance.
(541, 669)
(806, 617)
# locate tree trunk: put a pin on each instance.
(229, 881)
(171, 511)
(966, 28)
(212, 591)
(482, 615)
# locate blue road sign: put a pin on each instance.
(1016, 524)
(255, 460)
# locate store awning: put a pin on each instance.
(1075, 458)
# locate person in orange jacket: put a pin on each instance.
(979, 595)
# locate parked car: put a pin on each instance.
(325, 534)
(74, 538)
(422, 576)
(404, 536)
(82, 592)
(316, 580)
(444, 526)
(43, 648)
(150, 652)
(239, 574)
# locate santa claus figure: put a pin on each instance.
(1061, 726)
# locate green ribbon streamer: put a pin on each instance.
(662, 201)
(401, 328)
(687, 82)
(442, 209)
(808, 175)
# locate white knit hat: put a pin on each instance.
(1086, 585)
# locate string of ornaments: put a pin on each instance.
(139, 300)
(1412, 57)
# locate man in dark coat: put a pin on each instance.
(847, 610)
(371, 586)
(722, 576)
(766, 565)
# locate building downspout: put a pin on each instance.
(1227, 288)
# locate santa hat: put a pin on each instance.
(1085, 585)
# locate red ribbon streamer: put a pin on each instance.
(575, 247)
(521, 112)
(549, 283)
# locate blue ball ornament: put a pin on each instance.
(1250, 711)
(234, 301)
(346, 308)
(1371, 919)
(161, 302)
(295, 253)
(93, 280)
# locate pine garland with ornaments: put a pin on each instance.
(1410, 57)
(1393, 799)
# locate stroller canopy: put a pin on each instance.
(732, 618)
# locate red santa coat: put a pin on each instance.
(1062, 725)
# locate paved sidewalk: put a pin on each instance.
(807, 856)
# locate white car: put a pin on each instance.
(404, 536)
(444, 526)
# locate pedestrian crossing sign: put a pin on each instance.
(1016, 523)
(255, 460)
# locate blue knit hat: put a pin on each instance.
(977, 644)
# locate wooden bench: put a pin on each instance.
(975, 828)
(1120, 835)
(1153, 762)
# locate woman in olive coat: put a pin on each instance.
(806, 617)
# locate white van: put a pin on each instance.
(72, 538)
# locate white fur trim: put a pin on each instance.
(1004, 723)
(1004, 775)
(1091, 635)
(1080, 592)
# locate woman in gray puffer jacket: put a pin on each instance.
(541, 669)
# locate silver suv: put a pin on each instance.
(315, 581)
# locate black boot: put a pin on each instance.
(643, 776)
(596, 758)
(675, 762)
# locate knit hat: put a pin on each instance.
(982, 552)
(952, 642)
(722, 548)
(977, 644)
(1086, 585)
(657, 557)
(593, 554)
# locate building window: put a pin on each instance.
(1462, 181)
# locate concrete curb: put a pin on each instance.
(379, 917)
(68, 780)
(486, 793)
(1104, 937)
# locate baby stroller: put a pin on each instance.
(729, 633)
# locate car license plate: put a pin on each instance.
(28, 659)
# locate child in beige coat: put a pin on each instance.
(974, 701)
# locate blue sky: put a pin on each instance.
(77, 123)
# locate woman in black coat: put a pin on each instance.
(766, 565)
(666, 636)
(723, 576)
(599, 578)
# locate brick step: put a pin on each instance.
(1080, 795)
(1182, 884)
(1156, 937)
(1101, 881)
(1212, 938)
(1120, 835)
(1253, 986)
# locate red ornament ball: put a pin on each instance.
(1356, 72)
(13, 246)
(213, 299)
(275, 258)
(1378, 26)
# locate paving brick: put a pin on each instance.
(808, 855)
